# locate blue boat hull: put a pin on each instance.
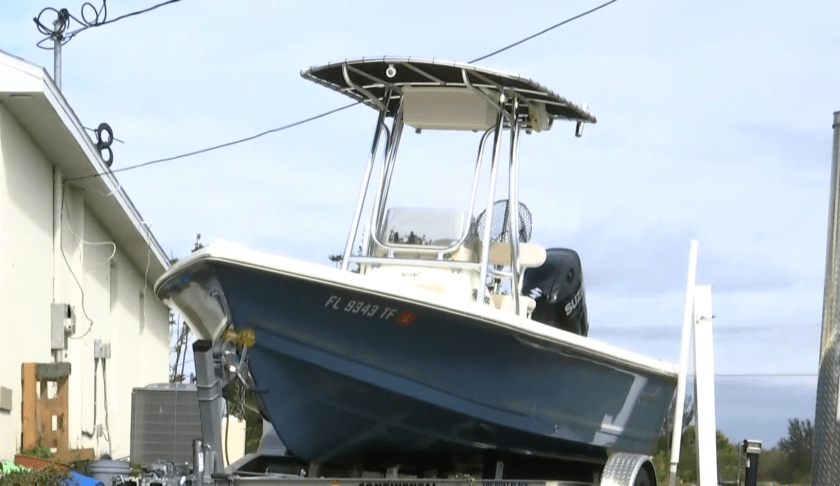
(361, 377)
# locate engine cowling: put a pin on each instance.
(557, 287)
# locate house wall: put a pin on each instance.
(107, 301)
(25, 266)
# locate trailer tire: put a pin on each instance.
(646, 476)
(624, 469)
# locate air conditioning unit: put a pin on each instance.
(164, 422)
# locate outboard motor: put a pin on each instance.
(557, 287)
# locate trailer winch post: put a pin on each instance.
(209, 389)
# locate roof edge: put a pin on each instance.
(72, 122)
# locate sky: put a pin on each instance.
(714, 124)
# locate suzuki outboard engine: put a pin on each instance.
(557, 286)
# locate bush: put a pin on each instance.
(727, 455)
(46, 476)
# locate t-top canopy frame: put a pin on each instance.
(368, 80)
(431, 93)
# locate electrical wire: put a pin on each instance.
(760, 375)
(227, 426)
(69, 267)
(132, 14)
(313, 118)
(96, 243)
(63, 17)
(103, 194)
(765, 375)
(91, 243)
(215, 147)
(83, 241)
(503, 49)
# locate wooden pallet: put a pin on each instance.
(44, 419)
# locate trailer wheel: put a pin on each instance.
(623, 469)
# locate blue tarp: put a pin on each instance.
(76, 479)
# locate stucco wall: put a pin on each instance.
(110, 284)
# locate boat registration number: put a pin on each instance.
(360, 307)
(376, 311)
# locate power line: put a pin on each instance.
(766, 375)
(503, 49)
(132, 14)
(228, 144)
(301, 122)
(761, 375)
(63, 17)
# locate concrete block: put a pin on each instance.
(52, 371)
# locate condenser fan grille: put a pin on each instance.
(499, 226)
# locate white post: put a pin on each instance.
(688, 311)
(704, 387)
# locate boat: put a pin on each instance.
(447, 340)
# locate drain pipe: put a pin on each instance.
(209, 389)
(58, 197)
(826, 456)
